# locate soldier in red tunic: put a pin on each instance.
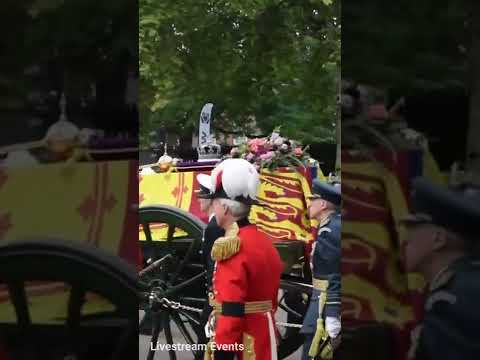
(247, 272)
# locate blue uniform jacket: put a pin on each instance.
(326, 261)
(212, 232)
(451, 327)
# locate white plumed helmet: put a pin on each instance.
(235, 179)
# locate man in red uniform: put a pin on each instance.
(247, 272)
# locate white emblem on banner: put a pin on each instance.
(204, 125)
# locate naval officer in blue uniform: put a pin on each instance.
(212, 232)
(322, 325)
(441, 245)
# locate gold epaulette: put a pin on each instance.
(227, 246)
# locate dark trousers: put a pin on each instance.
(207, 309)
(306, 346)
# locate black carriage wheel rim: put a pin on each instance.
(171, 272)
(22, 262)
(174, 218)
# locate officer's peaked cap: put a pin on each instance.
(205, 191)
(451, 209)
(323, 190)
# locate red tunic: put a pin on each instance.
(252, 274)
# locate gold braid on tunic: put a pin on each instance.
(227, 246)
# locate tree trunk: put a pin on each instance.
(473, 143)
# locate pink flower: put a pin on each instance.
(377, 112)
(253, 142)
(267, 156)
(298, 151)
(253, 146)
(257, 146)
(250, 157)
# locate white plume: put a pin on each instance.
(239, 178)
(253, 182)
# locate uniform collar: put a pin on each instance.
(441, 279)
(210, 217)
(326, 219)
(444, 276)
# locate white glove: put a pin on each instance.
(333, 326)
(210, 327)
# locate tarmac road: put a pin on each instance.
(144, 343)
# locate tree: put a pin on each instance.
(473, 147)
(407, 46)
(416, 47)
(54, 46)
(262, 63)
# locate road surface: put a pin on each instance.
(144, 344)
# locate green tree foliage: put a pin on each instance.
(84, 39)
(413, 47)
(275, 61)
(407, 45)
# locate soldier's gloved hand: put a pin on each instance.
(333, 326)
(326, 352)
(210, 326)
(319, 345)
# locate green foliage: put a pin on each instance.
(272, 61)
(84, 39)
(409, 45)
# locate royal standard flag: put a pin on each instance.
(89, 202)
(375, 196)
(283, 194)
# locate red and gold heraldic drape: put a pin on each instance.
(375, 196)
(283, 194)
(85, 202)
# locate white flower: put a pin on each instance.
(278, 141)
